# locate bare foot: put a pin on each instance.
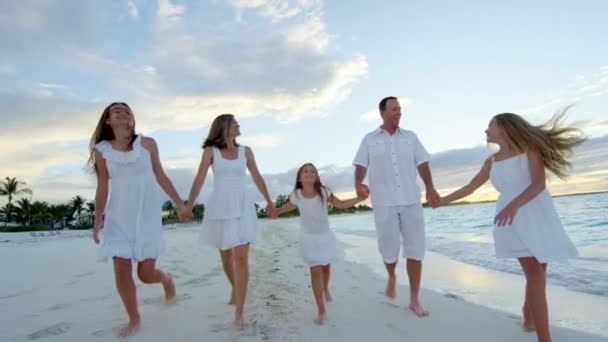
(391, 287)
(321, 319)
(131, 328)
(328, 297)
(418, 310)
(169, 287)
(239, 323)
(527, 323)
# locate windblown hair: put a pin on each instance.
(318, 186)
(103, 131)
(219, 131)
(554, 140)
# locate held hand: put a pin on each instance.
(184, 212)
(271, 210)
(432, 197)
(442, 201)
(505, 216)
(362, 191)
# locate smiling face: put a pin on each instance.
(120, 116)
(494, 133)
(308, 175)
(233, 130)
(391, 115)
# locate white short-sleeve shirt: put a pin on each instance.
(313, 212)
(391, 162)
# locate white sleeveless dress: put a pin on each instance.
(536, 229)
(230, 217)
(132, 219)
(317, 240)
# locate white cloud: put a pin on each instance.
(132, 9)
(579, 89)
(263, 140)
(169, 14)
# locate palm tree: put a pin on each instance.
(91, 211)
(60, 212)
(24, 207)
(169, 210)
(198, 211)
(12, 187)
(40, 211)
(77, 204)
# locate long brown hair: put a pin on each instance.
(553, 139)
(219, 131)
(318, 186)
(103, 131)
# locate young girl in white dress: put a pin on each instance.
(526, 225)
(317, 240)
(128, 205)
(230, 220)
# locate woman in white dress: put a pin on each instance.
(526, 225)
(230, 220)
(317, 240)
(128, 205)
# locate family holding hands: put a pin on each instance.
(129, 200)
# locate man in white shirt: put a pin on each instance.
(393, 156)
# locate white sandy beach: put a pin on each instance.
(53, 290)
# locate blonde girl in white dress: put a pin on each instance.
(317, 240)
(230, 220)
(128, 205)
(526, 225)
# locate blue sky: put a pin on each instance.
(303, 78)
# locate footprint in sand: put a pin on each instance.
(199, 281)
(57, 307)
(452, 296)
(81, 275)
(161, 300)
(218, 327)
(53, 330)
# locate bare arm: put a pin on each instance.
(537, 185)
(361, 189)
(162, 179)
(201, 174)
(287, 207)
(425, 173)
(432, 197)
(101, 195)
(360, 173)
(343, 204)
(256, 176)
(480, 178)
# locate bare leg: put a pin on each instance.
(536, 298)
(528, 319)
(391, 284)
(148, 274)
(127, 292)
(414, 272)
(316, 280)
(326, 275)
(241, 278)
(228, 265)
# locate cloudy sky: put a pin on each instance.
(303, 77)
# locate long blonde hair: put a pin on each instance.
(553, 139)
(219, 131)
(103, 131)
